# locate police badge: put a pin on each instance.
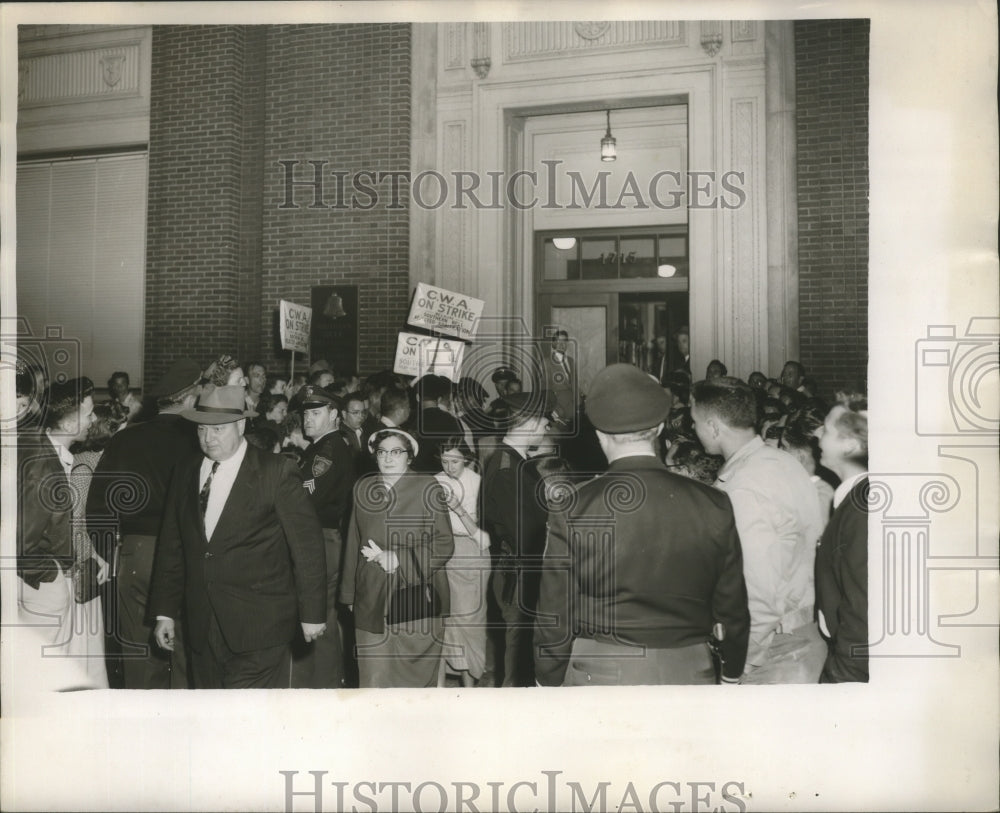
(321, 465)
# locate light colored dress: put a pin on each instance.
(468, 575)
(88, 619)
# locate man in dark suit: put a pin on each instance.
(642, 563)
(147, 454)
(433, 423)
(354, 425)
(242, 551)
(514, 515)
(842, 555)
(560, 378)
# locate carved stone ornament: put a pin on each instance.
(591, 29)
(481, 65)
(111, 68)
(711, 36)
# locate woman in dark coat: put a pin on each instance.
(399, 534)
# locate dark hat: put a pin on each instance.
(526, 404)
(182, 374)
(313, 395)
(503, 374)
(432, 387)
(623, 398)
(220, 405)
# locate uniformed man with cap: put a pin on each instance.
(642, 564)
(514, 515)
(507, 383)
(328, 473)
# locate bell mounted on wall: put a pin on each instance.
(334, 307)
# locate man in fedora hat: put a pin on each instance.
(515, 517)
(241, 550)
(141, 460)
(642, 564)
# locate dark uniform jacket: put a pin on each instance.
(133, 475)
(264, 571)
(329, 471)
(514, 507)
(44, 511)
(842, 587)
(641, 556)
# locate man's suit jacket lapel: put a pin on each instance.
(241, 497)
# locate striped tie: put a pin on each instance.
(205, 489)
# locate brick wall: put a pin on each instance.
(340, 94)
(195, 182)
(229, 102)
(831, 58)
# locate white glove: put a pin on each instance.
(386, 559)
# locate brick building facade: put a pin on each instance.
(228, 104)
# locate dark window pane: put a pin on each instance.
(638, 257)
(673, 251)
(600, 258)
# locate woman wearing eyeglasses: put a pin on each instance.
(399, 536)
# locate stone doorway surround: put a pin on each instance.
(475, 84)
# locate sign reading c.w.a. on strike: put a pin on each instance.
(444, 311)
(419, 355)
(294, 321)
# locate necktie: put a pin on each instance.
(205, 489)
(351, 439)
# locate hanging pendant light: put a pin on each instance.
(609, 150)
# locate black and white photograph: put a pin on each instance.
(518, 366)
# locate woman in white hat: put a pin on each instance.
(398, 542)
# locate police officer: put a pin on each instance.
(642, 563)
(328, 474)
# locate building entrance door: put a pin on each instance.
(621, 295)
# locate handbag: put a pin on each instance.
(85, 586)
(412, 602)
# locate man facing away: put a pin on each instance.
(642, 564)
(778, 520)
(514, 514)
(242, 551)
(146, 453)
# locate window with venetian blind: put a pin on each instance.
(81, 227)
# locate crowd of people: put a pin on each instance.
(237, 528)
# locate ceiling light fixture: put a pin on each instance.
(609, 150)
